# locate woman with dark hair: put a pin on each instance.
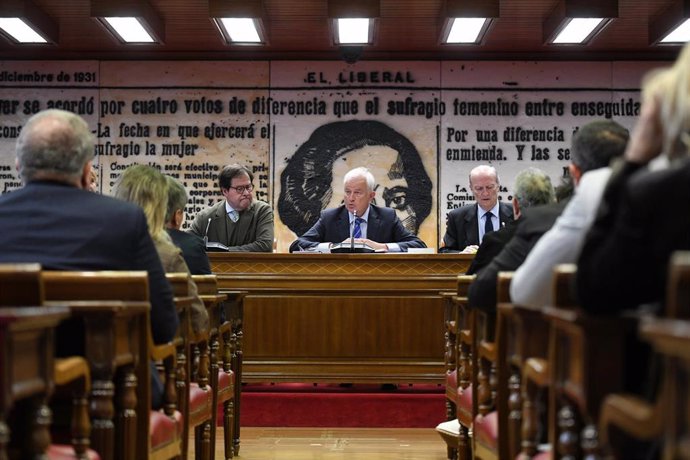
(306, 182)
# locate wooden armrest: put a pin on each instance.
(536, 370)
(70, 369)
(162, 351)
(630, 414)
(201, 336)
(488, 351)
(464, 282)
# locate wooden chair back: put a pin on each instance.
(491, 411)
(522, 343)
(20, 284)
(586, 362)
(115, 307)
(466, 353)
(648, 421)
(97, 285)
(27, 370)
(193, 366)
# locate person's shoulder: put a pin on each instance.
(538, 219)
(462, 210)
(593, 179)
(331, 212)
(677, 174)
(259, 205)
(387, 213)
(179, 235)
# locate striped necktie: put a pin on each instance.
(357, 231)
(234, 215)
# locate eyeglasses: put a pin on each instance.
(243, 188)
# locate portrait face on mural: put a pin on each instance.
(312, 179)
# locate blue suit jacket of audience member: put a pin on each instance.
(193, 251)
(66, 228)
(383, 226)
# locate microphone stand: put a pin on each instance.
(352, 236)
(206, 232)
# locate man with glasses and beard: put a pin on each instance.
(238, 222)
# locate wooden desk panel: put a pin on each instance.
(342, 317)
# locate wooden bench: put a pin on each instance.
(636, 417)
(194, 389)
(21, 289)
(118, 346)
(28, 379)
(586, 356)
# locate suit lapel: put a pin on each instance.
(472, 225)
(373, 224)
(343, 225)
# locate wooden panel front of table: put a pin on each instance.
(355, 318)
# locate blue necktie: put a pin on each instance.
(488, 224)
(234, 215)
(357, 231)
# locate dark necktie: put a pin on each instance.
(357, 230)
(488, 224)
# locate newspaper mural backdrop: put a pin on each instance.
(300, 125)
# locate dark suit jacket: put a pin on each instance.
(462, 228)
(533, 223)
(193, 251)
(642, 219)
(333, 226)
(491, 246)
(65, 228)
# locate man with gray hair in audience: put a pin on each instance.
(55, 221)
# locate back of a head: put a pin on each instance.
(533, 188)
(54, 144)
(361, 172)
(177, 197)
(595, 144)
(146, 187)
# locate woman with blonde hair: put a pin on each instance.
(147, 187)
(643, 218)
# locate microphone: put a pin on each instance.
(206, 232)
(352, 229)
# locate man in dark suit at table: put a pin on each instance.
(55, 221)
(376, 227)
(468, 224)
(193, 247)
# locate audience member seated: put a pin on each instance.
(593, 147)
(528, 192)
(533, 192)
(147, 187)
(642, 218)
(55, 221)
(240, 222)
(193, 248)
(467, 225)
(377, 227)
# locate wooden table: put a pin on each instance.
(354, 318)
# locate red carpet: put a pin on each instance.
(324, 405)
